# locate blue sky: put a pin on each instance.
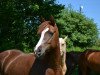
(91, 8)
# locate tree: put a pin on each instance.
(19, 20)
(81, 31)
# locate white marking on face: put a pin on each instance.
(41, 38)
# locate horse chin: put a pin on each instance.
(41, 56)
(42, 52)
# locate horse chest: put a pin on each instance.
(38, 68)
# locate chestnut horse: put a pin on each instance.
(15, 62)
(48, 50)
(63, 54)
(45, 61)
(89, 60)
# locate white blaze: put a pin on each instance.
(41, 38)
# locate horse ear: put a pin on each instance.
(42, 19)
(52, 20)
(65, 38)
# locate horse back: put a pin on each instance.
(21, 65)
(6, 57)
(91, 59)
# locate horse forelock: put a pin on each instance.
(42, 26)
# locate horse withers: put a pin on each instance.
(89, 60)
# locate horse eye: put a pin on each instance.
(62, 44)
(50, 33)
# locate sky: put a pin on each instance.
(91, 8)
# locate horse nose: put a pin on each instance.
(38, 51)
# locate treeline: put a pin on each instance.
(19, 20)
(82, 31)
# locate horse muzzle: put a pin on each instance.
(38, 51)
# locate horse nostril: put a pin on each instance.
(39, 54)
(39, 49)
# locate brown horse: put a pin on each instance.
(89, 60)
(47, 60)
(15, 62)
(48, 48)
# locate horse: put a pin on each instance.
(45, 60)
(72, 60)
(89, 60)
(47, 49)
(62, 43)
(15, 62)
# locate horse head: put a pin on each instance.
(48, 32)
(62, 43)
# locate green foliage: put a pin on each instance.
(81, 31)
(97, 42)
(75, 49)
(19, 20)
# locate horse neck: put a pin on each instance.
(63, 59)
(53, 57)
